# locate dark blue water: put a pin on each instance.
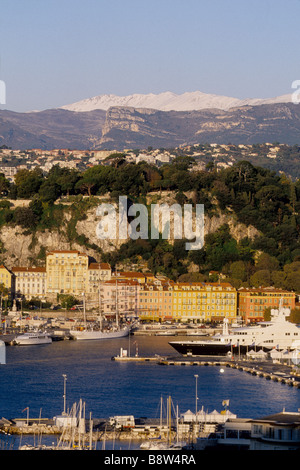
(32, 377)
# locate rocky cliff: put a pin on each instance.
(22, 248)
(139, 128)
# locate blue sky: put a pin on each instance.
(55, 52)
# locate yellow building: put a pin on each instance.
(202, 302)
(67, 272)
(196, 302)
(6, 278)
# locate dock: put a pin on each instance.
(8, 338)
(277, 372)
(134, 359)
(270, 371)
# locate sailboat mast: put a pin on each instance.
(100, 304)
(84, 312)
(117, 313)
(169, 419)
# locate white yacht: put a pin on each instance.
(31, 338)
(86, 334)
(278, 333)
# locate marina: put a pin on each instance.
(116, 382)
(126, 376)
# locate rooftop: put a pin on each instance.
(99, 266)
(283, 418)
(25, 269)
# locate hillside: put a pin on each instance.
(120, 128)
(252, 221)
(139, 128)
(53, 128)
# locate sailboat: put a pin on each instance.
(157, 444)
(73, 436)
(113, 332)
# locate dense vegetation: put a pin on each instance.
(251, 195)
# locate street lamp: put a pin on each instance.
(196, 377)
(65, 380)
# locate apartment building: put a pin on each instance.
(201, 302)
(156, 301)
(97, 273)
(67, 272)
(186, 302)
(252, 302)
(29, 282)
(120, 295)
(6, 278)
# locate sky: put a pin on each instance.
(57, 52)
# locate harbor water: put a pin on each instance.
(32, 382)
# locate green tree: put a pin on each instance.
(64, 177)
(67, 301)
(49, 191)
(268, 262)
(238, 270)
(25, 217)
(4, 184)
(261, 278)
(28, 182)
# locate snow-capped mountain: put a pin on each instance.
(168, 101)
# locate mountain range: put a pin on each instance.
(162, 120)
(168, 101)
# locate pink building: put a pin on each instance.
(120, 295)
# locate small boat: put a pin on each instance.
(31, 338)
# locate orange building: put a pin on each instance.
(187, 301)
(252, 302)
(156, 301)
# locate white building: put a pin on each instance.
(30, 282)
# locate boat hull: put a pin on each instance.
(32, 340)
(98, 335)
(198, 348)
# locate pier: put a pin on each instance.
(282, 373)
(270, 371)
